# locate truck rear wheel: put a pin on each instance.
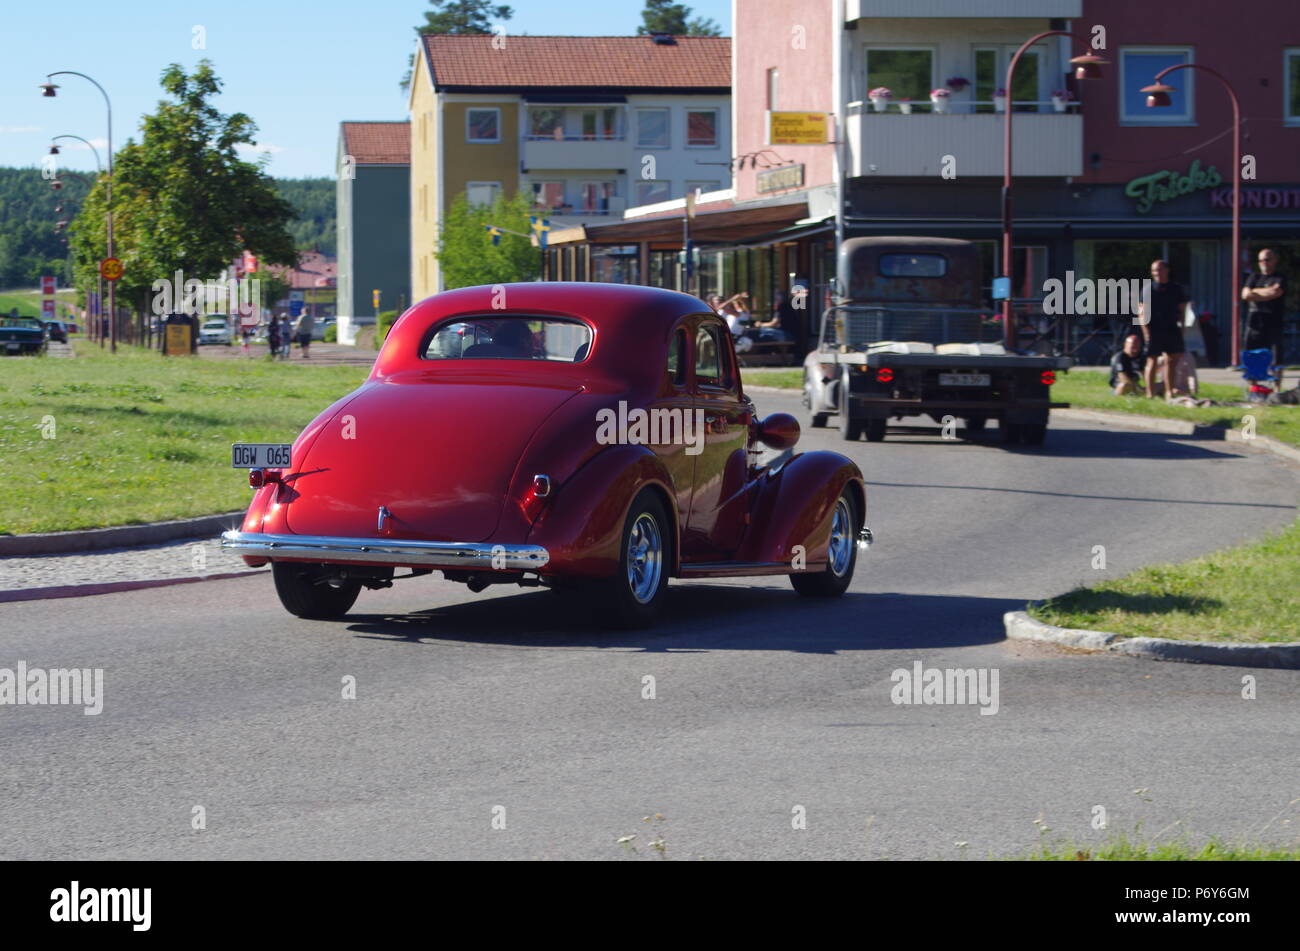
(975, 424)
(1010, 431)
(876, 430)
(1033, 434)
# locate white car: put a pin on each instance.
(215, 330)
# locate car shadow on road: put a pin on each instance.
(1068, 443)
(702, 617)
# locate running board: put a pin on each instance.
(725, 569)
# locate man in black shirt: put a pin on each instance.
(1126, 367)
(1265, 292)
(1161, 319)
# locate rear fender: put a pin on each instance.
(794, 507)
(582, 529)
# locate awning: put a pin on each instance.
(729, 225)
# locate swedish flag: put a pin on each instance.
(540, 226)
(495, 232)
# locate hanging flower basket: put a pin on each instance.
(956, 83)
(880, 97)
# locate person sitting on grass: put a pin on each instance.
(1126, 367)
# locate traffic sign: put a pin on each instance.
(375, 295)
(110, 269)
(47, 309)
(47, 285)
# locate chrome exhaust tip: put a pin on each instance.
(865, 538)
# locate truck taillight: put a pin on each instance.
(1048, 378)
(885, 375)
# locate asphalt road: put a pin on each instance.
(215, 697)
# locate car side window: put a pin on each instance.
(677, 357)
(712, 365)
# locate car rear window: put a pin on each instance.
(510, 338)
(913, 265)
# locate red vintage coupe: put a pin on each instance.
(586, 437)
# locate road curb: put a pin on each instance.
(111, 587)
(1183, 427)
(1020, 626)
(121, 536)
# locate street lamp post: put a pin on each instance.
(49, 88)
(1087, 66)
(1158, 95)
(97, 331)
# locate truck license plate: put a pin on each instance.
(259, 455)
(963, 379)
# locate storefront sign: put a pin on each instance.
(1164, 186)
(776, 179)
(1257, 198)
(797, 128)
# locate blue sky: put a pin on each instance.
(298, 68)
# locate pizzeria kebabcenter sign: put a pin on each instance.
(1166, 185)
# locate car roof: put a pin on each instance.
(632, 323)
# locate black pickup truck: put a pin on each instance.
(906, 336)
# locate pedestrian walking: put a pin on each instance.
(1161, 317)
(286, 337)
(1265, 294)
(273, 337)
(302, 331)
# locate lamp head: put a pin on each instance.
(1088, 66)
(1158, 95)
(48, 90)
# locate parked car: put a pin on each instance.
(590, 437)
(57, 330)
(20, 335)
(215, 329)
(318, 328)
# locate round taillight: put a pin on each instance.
(1048, 378)
(885, 375)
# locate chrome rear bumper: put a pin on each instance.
(386, 551)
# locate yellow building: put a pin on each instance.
(590, 125)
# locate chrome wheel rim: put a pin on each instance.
(840, 551)
(644, 557)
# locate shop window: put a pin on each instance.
(483, 125)
(1137, 68)
(702, 128)
(652, 129)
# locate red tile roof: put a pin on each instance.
(378, 143)
(607, 62)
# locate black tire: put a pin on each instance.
(634, 595)
(818, 420)
(305, 594)
(876, 429)
(975, 424)
(1033, 434)
(1010, 431)
(829, 583)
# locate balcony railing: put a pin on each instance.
(966, 107)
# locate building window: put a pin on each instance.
(596, 196)
(773, 78)
(652, 129)
(702, 128)
(991, 64)
(1137, 68)
(600, 123)
(482, 193)
(548, 194)
(651, 193)
(701, 187)
(546, 123)
(1291, 76)
(483, 125)
(904, 72)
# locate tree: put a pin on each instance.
(182, 198)
(661, 16)
(466, 254)
(458, 17)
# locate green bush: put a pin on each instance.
(383, 325)
(332, 333)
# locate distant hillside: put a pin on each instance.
(29, 246)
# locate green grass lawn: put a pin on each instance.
(1248, 594)
(140, 437)
(29, 303)
(1090, 390)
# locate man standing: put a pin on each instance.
(1161, 318)
(302, 330)
(1265, 292)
